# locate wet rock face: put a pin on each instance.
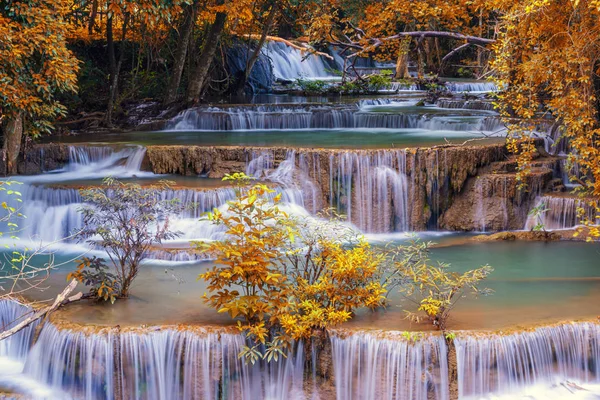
(41, 158)
(464, 188)
(493, 201)
(438, 175)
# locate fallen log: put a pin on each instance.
(60, 300)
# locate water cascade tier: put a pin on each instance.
(386, 190)
(294, 117)
(202, 363)
(528, 363)
(562, 212)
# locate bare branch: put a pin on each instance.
(60, 300)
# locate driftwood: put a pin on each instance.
(60, 300)
(95, 116)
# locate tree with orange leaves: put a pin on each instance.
(35, 65)
(548, 61)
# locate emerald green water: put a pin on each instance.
(533, 283)
(321, 138)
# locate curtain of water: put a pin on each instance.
(512, 363)
(389, 367)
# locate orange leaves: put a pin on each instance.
(35, 63)
(292, 279)
(545, 59)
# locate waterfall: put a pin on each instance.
(371, 188)
(198, 363)
(17, 346)
(289, 117)
(52, 212)
(90, 162)
(561, 213)
(290, 63)
(388, 366)
(480, 86)
(14, 352)
(160, 365)
(497, 364)
(452, 86)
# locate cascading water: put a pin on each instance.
(452, 86)
(321, 117)
(389, 367)
(517, 365)
(160, 365)
(466, 104)
(16, 346)
(480, 86)
(14, 351)
(290, 64)
(174, 363)
(371, 189)
(93, 162)
(561, 213)
(52, 212)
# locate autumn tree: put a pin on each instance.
(35, 66)
(278, 280)
(385, 30)
(547, 61)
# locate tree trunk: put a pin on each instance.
(185, 33)
(114, 66)
(93, 13)
(420, 58)
(452, 367)
(256, 54)
(402, 62)
(200, 72)
(13, 134)
(112, 70)
(427, 44)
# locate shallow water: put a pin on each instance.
(320, 138)
(533, 282)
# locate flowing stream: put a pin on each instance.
(364, 158)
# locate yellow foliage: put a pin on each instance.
(266, 278)
(546, 59)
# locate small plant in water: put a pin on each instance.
(450, 336)
(95, 273)
(434, 289)
(412, 336)
(126, 220)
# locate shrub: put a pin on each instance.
(95, 273)
(312, 87)
(434, 289)
(376, 83)
(280, 278)
(126, 220)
